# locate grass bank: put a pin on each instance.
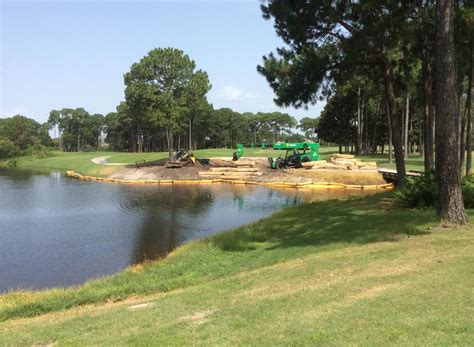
(81, 162)
(335, 272)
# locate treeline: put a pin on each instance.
(20, 135)
(77, 130)
(374, 63)
(166, 108)
(394, 72)
(221, 128)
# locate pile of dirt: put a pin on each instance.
(260, 165)
(161, 172)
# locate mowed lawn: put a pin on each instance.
(357, 272)
(81, 162)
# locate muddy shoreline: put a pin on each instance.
(297, 176)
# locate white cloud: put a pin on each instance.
(231, 93)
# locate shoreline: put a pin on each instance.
(276, 184)
(21, 303)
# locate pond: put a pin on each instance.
(57, 231)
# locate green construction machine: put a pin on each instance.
(296, 153)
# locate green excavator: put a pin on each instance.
(296, 153)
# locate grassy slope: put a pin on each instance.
(81, 162)
(337, 272)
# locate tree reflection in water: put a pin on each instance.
(165, 210)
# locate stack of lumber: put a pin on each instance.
(227, 168)
(228, 162)
(341, 162)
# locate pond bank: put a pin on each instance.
(289, 183)
(329, 267)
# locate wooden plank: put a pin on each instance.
(233, 169)
(344, 156)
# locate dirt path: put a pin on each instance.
(103, 161)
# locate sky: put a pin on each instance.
(57, 54)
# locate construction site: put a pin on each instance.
(297, 164)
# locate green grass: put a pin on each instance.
(357, 272)
(81, 162)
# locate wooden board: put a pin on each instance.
(226, 173)
(233, 169)
(230, 163)
(344, 156)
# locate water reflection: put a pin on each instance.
(160, 231)
(58, 231)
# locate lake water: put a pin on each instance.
(58, 231)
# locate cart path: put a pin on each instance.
(103, 161)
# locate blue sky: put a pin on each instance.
(74, 53)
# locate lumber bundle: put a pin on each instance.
(227, 173)
(226, 168)
(343, 156)
(311, 164)
(341, 162)
(233, 169)
(227, 162)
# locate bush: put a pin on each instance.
(418, 191)
(468, 191)
(8, 149)
(39, 151)
(422, 191)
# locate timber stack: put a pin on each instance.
(341, 162)
(226, 168)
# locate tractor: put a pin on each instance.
(296, 153)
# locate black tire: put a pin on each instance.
(306, 159)
(280, 164)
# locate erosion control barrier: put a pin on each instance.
(305, 185)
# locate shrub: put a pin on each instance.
(39, 151)
(417, 191)
(422, 191)
(468, 191)
(8, 149)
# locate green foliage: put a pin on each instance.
(422, 191)
(417, 192)
(23, 132)
(19, 133)
(77, 129)
(162, 90)
(39, 151)
(8, 149)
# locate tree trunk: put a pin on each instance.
(450, 202)
(190, 138)
(169, 138)
(470, 97)
(394, 119)
(428, 114)
(359, 124)
(139, 140)
(407, 118)
(390, 153)
(462, 136)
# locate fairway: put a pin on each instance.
(81, 162)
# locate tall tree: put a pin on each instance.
(197, 101)
(158, 89)
(450, 201)
(326, 36)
